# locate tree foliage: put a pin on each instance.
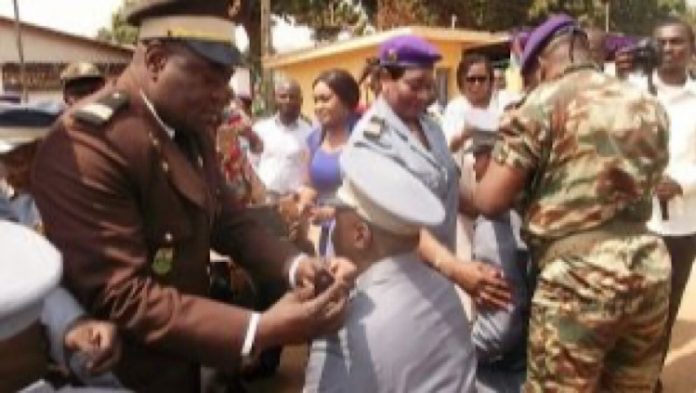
(326, 17)
(476, 14)
(119, 32)
(329, 17)
(627, 16)
(394, 13)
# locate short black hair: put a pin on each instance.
(676, 21)
(342, 83)
(468, 61)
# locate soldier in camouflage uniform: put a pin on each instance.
(581, 157)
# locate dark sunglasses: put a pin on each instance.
(476, 79)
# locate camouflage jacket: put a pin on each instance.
(593, 147)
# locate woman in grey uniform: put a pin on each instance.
(397, 126)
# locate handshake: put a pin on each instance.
(316, 306)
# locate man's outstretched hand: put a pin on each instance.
(318, 274)
(300, 316)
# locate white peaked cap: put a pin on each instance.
(30, 268)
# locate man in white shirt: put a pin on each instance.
(674, 207)
(282, 163)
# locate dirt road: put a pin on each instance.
(679, 375)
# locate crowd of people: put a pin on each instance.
(165, 239)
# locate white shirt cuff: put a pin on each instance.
(294, 265)
(250, 335)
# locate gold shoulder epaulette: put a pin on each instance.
(102, 110)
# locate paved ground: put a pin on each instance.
(679, 375)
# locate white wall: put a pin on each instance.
(42, 96)
(241, 81)
(43, 47)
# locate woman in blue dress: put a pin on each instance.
(336, 96)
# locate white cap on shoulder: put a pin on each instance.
(30, 269)
(386, 194)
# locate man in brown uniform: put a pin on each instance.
(131, 193)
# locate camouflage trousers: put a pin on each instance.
(598, 318)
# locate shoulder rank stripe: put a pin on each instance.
(102, 110)
(374, 127)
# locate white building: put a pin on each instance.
(46, 52)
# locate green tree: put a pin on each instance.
(689, 15)
(475, 14)
(639, 17)
(394, 13)
(628, 16)
(119, 32)
(326, 17)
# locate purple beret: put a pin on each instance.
(616, 43)
(408, 51)
(540, 37)
(522, 37)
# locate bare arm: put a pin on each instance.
(498, 189)
(466, 201)
(483, 282)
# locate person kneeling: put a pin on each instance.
(500, 335)
(406, 329)
(38, 319)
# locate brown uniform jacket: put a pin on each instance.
(116, 194)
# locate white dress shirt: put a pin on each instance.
(282, 165)
(455, 114)
(680, 103)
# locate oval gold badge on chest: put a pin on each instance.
(163, 262)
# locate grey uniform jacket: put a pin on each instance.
(382, 130)
(405, 332)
